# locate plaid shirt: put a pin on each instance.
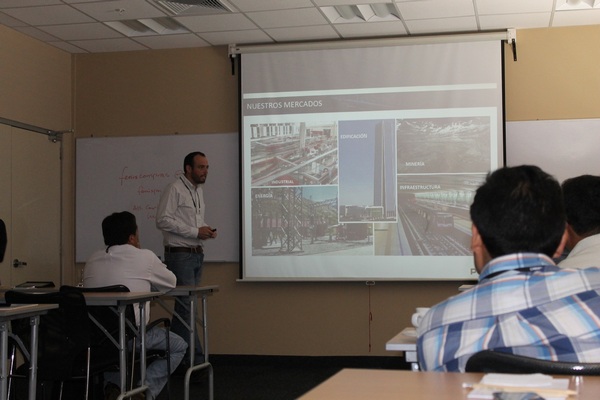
(523, 304)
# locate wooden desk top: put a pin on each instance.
(24, 310)
(118, 298)
(406, 340)
(192, 290)
(361, 384)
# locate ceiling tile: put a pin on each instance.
(372, 29)
(168, 41)
(108, 45)
(95, 30)
(578, 17)
(513, 7)
(69, 48)
(291, 34)
(120, 10)
(27, 3)
(268, 21)
(48, 15)
(238, 37)
(518, 21)
(461, 24)
(287, 18)
(215, 23)
(324, 3)
(266, 5)
(9, 21)
(436, 9)
(36, 33)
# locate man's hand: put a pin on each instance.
(206, 232)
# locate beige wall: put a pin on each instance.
(35, 82)
(36, 89)
(556, 76)
(193, 91)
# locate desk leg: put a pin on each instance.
(204, 328)
(122, 349)
(192, 328)
(4, 355)
(205, 364)
(143, 343)
(35, 323)
(188, 374)
(411, 357)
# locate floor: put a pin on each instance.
(281, 378)
(249, 377)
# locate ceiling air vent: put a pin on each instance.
(196, 7)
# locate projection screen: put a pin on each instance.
(361, 163)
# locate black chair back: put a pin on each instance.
(107, 317)
(494, 361)
(109, 320)
(64, 333)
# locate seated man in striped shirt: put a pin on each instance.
(523, 303)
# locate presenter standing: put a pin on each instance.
(180, 217)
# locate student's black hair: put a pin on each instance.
(582, 204)
(117, 227)
(519, 209)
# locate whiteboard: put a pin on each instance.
(563, 148)
(129, 174)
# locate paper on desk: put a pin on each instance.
(529, 383)
(533, 380)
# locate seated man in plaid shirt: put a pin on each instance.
(523, 303)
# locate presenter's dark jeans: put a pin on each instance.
(187, 267)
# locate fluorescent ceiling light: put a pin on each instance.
(384, 10)
(129, 28)
(361, 13)
(164, 25)
(566, 5)
(147, 27)
(348, 12)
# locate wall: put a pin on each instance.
(192, 90)
(555, 76)
(35, 89)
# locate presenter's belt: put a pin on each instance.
(195, 250)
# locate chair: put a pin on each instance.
(108, 318)
(63, 341)
(494, 361)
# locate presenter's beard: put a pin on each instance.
(198, 179)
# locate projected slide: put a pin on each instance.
(371, 176)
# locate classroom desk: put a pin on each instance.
(361, 384)
(191, 293)
(7, 314)
(406, 341)
(120, 300)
